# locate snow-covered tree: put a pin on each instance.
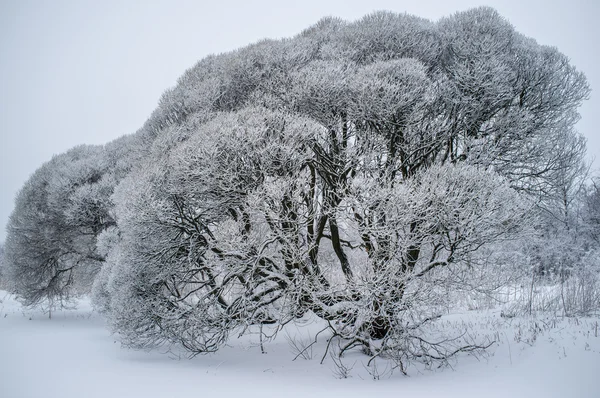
(591, 212)
(51, 242)
(351, 171)
(350, 178)
(2, 267)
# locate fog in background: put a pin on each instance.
(86, 72)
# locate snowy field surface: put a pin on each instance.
(74, 355)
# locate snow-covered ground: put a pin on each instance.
(74, 355)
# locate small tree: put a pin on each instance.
(591, 211)
(3, 283)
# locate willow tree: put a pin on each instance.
(352, 172)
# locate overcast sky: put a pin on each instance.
(85, 72)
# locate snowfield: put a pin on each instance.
(74, 355)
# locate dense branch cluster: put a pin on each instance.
(348, 172)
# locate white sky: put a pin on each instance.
(86, 72)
